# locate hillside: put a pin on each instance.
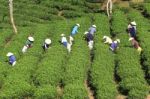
(83, 73)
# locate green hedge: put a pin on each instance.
(77, 64)
(147, 9)
(143, 36)
(129, 67)
(75, 91)
(119, 23)
(45, 92)
(102, 71)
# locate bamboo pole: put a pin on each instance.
(11, 16)
(109, 7)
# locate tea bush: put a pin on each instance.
(102, 71)
(129, 68)
(143, 36)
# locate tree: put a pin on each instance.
(11, 16)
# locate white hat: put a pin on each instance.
(104, 37)
(133, 23)
(78, 24)
(9, 54)
(115, 42)
(86, 32)
(131, 38)
(94, 26)
(31, 39)
(48, 41)
(118, 40)
(62, 34)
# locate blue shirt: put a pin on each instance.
(89, 37)
(12, 59)
(74, 30)
(92, 30)
(114, 46)
(132, 31)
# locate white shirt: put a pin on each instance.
(129, 26)
(63, 39)
(108, 40)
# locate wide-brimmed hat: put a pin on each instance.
(94, 26)
(31, 39)
(48, 41)
(62, 35)
(104, 37)
(78, 24)
(9, 54)
(118, 40)
(133, 23)
(115, 42)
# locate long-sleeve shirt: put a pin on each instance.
(129, 26)
(132, 31)
(74, 30)
(107, 40)
(29, 43)
(113, 46)
(135, 44)
(12, 59)
(89, 37)
(45, 46)
(64, 41)
(92, 30)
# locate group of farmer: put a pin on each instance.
(132, 31)
(89, 37)
(46, 44)
(28, 44)
(114, 44)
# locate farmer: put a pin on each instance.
(132, 29)
(135, 44)
(12, 58)
(28, 44)
(114, 45)
(92, 29)
(89, 38)
(107, 40)
(46, 44)
(66, 43)
(74, 31)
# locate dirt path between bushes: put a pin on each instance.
(148, 97)
(59, 91)
(121, 97)
(90, 92)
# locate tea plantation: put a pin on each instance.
(82, 73)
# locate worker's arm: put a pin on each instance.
(106, 42)
(76, 29)
(95, 30)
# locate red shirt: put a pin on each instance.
(135, 43)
